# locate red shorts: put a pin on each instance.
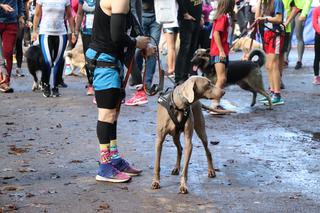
(273, 43)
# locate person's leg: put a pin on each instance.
(293, 26)
(241, 20)
(181, 69)
(193, 47)
(155, 33)
(9, 35)
(86, 39)
(171, 47)
(61, 42)
(316, 59)
(19, 52)
(221, 80)
(46, 43)
(300, 46)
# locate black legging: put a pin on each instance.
(317, 55)
(86, 39)
(19, 52)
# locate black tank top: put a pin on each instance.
(101, 36)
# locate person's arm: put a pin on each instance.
(36, 20)
(119, 11)
(315, 18)
(258, 9)
(217, 40)
(79, 19)
(70, 19)
(27, 10)
(21, 10)
(6, 7)
(294, 12)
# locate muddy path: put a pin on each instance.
(266, 160)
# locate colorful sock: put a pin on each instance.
(114, 149)
(105, 154)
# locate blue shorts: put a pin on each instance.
(106, 77)
(217, 59)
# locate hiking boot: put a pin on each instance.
(123, 166)
(108, 173)
(55, 92)
(46, 90)
(276, 100)
(316, 80)
(298, 65)
(139, 98)
(90, 90)
(5, 88)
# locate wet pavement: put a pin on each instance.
(266, 160)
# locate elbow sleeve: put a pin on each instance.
(118, 31)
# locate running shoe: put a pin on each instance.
(90, 90)
(19, 72)
(108, 173)
(139, 98)
(68, 70)
(276, 100)
(123, 166)
(316, 80)
(55, 92)
(5, 88)
(298, 65)
(62, 84)
(264, 99)
(46, 90)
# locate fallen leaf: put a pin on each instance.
(9, 123)
(76, 161)
(14, 150)
(24, 170)
(7, 177)
(28, 194)
(214, 142)
(10, 188)
(10, 207)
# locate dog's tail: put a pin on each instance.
(261, 56)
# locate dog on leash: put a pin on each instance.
(246, 74)
(180, 111)
(75, 58)
(244, 44)
(36, 64)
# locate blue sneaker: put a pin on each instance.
(123, 166)
(108, 173)
(276, 100)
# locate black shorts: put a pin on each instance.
(286, 43)
(109, 98)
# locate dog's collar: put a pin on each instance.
(166, 100)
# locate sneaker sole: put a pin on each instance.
(275, 104)
(132, 174)
(136, 103)
(103, 179)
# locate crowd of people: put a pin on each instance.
(114, 31)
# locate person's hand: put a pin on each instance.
(142, 42)
(21, 21)
(29, 24)
(7, 8)
(302, 18)
(35, 36)
(222, 55)
(260, 19)
(189, 17)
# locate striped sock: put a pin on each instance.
(114, 149)
(105, 154)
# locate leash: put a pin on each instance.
(252, 30)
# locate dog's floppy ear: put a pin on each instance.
(187, 90)
(208, 50)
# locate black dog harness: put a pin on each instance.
(166, 100)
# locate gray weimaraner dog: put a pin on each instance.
(183, 97)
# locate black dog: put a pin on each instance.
(246, 74)
(36, 63)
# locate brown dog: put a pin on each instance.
(184, 97)
(246, 74)
(244, 44)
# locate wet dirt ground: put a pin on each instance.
(266, 160)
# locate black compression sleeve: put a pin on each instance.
(118, 31)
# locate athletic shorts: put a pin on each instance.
(108, 99)
(217, 59)
(171, 30)
(106, 77)
(272, 43)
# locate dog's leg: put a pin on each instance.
(265, 94)
(199, 127)
(156, 176)
(187, 156)
(176, 140)
(35, 86)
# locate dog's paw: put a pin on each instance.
(35, 86)
(183, 190)
(155, 185)
(175, 171)
(211, 173)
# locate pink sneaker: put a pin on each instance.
(108, 173)
(316, 80)
(139, 98)
(90, 90)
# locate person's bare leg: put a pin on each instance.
(221, 80)
(171, 57)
